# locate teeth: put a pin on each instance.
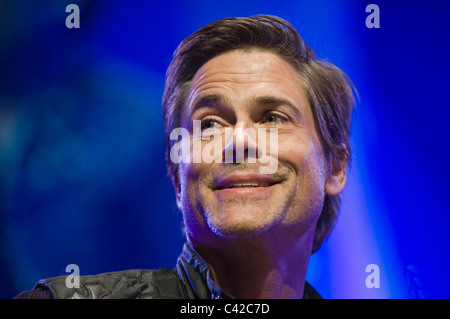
(247, 184)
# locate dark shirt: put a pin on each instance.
(191, 279)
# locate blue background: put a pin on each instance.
(82, 171)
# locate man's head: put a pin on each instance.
(258, 73)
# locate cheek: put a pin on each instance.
(306, 158)
(297, 148)
(193, 185)
(188, 175)
(306, 182)
(186, 200)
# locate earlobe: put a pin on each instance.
(336, 179)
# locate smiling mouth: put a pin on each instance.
(246, 185)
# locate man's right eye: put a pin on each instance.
(209, 124)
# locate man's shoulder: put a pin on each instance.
(310, 292)
(127, 284)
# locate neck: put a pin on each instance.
(251, 268)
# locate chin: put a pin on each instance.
(241, 223)
(237, 232)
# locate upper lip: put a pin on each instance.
(249, 180)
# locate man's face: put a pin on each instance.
(233, 92)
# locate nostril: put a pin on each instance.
(240, 143)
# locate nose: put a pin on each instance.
(241, 144)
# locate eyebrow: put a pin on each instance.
(209, 101)
(270, 100)
(218, 100)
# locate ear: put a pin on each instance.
(177, 186)
(336, 178)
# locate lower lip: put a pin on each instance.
(246, 191)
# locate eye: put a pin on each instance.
(271, 118)
(274, 118)
(209, 124)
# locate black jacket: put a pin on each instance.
(191, 279)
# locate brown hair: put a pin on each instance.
(328, 89)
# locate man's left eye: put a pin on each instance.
(273, 118)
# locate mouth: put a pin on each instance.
(245, 182)
(245, 185)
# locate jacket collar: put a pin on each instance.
(197, 276)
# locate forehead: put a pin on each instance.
(246, 66)
(243, 75)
